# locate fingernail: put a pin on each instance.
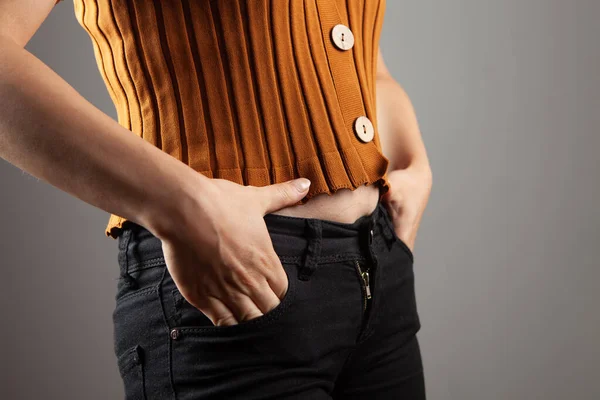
(302, 184)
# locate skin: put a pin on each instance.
(409, 171)
(50, 131)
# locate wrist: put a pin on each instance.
(167, 213)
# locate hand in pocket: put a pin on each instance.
(406, 201)
(222, 258)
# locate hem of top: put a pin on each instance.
(116, 223)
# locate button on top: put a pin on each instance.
(342, 37)
(364, 129)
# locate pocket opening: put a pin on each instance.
(131, 368)
(188, 319)
(388, 220)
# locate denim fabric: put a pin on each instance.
(325, 339)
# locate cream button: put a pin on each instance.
(342, 37)
(364, 129)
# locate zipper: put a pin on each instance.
(366, 285)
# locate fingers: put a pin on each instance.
(279, 195)
(236, 307)
(277, 278)
(237, 303)
(217, 311)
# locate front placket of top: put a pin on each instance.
(346, 81)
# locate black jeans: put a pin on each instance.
(332, 336)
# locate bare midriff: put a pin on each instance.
(344, 205)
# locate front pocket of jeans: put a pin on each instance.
(131, 368)
(186, 319)
(403, 246)
(390, 224)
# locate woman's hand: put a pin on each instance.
(221, 256)
(406, 200)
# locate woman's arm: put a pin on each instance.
(409, 172)
(214, 238)
(397, 123)
(50, 131)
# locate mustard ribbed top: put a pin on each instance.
(253, 91)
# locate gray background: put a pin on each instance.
(507, 93)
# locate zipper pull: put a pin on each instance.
(367, 285)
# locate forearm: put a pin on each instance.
(398, 128)
(50, 131)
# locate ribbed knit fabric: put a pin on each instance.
(253, 91)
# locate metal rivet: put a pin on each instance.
(174, 334)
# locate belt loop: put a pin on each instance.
(378, 219)
(386, 225)
(314, 235)
(124, 257)
(367, 233)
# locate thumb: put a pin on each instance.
(280, 195)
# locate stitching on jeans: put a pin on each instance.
(161, 301)
(176, 300)
(290, 259)
(146, 261)
(125, 362)
(158, 261)
(143, 265)
(340, 257)
(325, 259)
(140, 292)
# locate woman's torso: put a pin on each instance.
(254, 91)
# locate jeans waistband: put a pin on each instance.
(336, 238)
(307, 241)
